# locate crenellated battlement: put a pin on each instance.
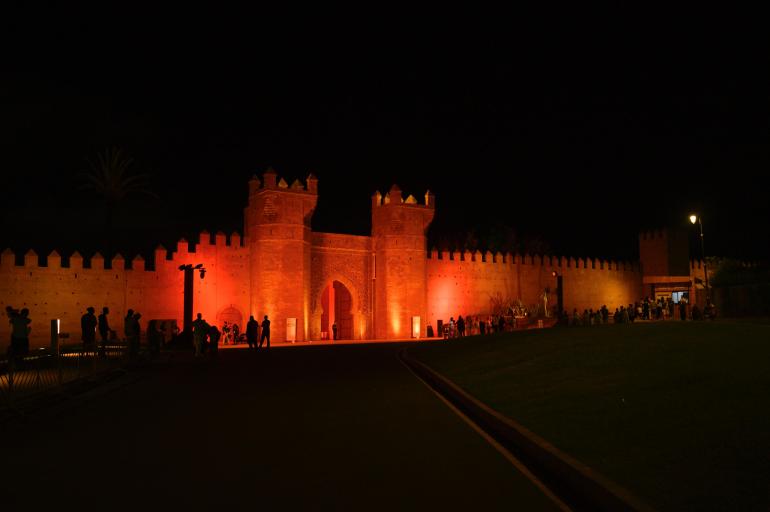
(76, 261)
(509, 259)
(395, 197)
(271, 181)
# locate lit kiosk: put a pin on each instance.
(665, 260)
(400, 264)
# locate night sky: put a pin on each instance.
(575, 140)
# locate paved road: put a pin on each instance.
(312, 428)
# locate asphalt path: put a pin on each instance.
(310, 428)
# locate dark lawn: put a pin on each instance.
(678, 413)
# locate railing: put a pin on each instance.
(43, 368)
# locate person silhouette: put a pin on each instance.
(20, 330)
(334, 331)
(265, 333)
(88, 324)
(252, 332)
(104, 330)
(201, 329)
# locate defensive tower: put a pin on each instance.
(277, 228)
(400, 263)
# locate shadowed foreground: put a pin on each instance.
(310, 428)
(675, 412)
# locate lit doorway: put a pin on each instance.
(336, 302)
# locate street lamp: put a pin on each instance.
(187, 315)
(559, 292)
(693, 219)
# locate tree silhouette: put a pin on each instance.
(110, 177)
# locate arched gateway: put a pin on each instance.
(337, 306)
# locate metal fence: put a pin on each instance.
(45, 368)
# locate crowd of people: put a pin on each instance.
(664, 308)
(472, 325)
(205, 336)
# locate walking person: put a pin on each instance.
(88, 325)
(252, 332)
(265, 333)
(104, 330)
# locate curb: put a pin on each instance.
(578, 485)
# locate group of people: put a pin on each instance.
(90, 324)
(472, 325)
(663, 308)
(206, 337)
(231, 333)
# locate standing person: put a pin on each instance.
(482, 327)
(236, 334)
(265, 333)
(20, 330)
(104, 330)
(214, 336)
(334, 331)
(452, 327)
(252, 332)
(136, 333)
(88, 324)
(200, 329)
(225, 333)
(128, 324)
(682, 309)
(460, 326)
(501, 324)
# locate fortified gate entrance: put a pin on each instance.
(337, 304)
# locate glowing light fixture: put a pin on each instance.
(693, 218)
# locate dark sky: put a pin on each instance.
(579, 138)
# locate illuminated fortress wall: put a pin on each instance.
(348, 260)
(464, 283)
(56, 291)
(388, 284)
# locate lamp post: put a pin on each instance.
(187, 315)
(693, 219)
(559, 292)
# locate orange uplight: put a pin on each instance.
(395, 324)
(416, 327)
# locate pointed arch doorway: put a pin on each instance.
(337, 304)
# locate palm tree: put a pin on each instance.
(110, 178)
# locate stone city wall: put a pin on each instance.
(64, 289)
(463, 283)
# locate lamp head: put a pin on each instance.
(693, 218)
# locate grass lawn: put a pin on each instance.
(677, 413)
